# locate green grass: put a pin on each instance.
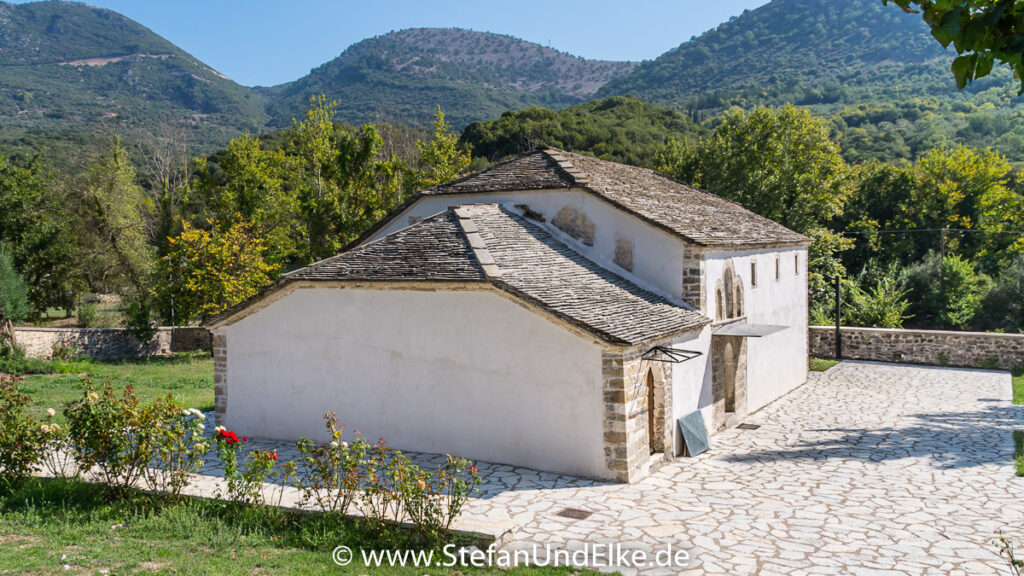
(188, 377)
(47, 524)
(820, 364)
(1018, 386)
(1018, 454)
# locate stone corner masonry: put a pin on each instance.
(627, 414)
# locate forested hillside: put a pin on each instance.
(872, 68)
(622, 128)
(69, 69)
(402, 76)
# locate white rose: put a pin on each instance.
(51, 412)
(219, 429)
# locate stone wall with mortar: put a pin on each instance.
(934, 347)
(112, 343)
(220, 377)
(628, 448)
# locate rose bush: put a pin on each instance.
(21, 438)
(330, 475)
(244, 480)
(178, 446)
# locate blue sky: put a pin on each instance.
(267, 42)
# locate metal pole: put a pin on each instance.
(839, 312)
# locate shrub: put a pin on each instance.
(87, 315)
(1004, 305)
(66, 350)
(114, 434)
(385, 472)
(140, 322)
(331, 472)
(58, 456)
(9, 350)
(21, 439)
(178, 446)
(244, 481)
(948, 291)
(433, 500)
(877, 299)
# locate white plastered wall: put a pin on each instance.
(691, 382)
(776, 363)
(469, 373)
(657, 255)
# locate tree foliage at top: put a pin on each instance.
(782, 164)
(981, 31)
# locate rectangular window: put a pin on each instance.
(753, 274)
(778, 268)
(796, 264)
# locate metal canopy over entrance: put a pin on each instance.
(744, 330)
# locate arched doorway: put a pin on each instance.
(729, 376)
(651, 424)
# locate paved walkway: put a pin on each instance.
(868, 469)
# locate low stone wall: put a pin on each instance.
(112, 343)
(934, 347)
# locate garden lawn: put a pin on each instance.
(188, 377)
(48, 524)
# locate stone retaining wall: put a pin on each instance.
(934, 347)
(112, 343)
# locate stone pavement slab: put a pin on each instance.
(868, 469)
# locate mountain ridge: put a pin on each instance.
(446, 66)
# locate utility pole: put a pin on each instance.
(839, 316)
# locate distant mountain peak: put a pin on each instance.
(447, 66)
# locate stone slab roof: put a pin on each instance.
(696, 216)
(543, 270)
(492, 243)
(433, 250)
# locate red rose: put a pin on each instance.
(274, 456)
(245, 438)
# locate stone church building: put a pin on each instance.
(555, 311)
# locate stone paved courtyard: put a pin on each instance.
(867, 469)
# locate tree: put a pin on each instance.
(13, 290)
(206, 272)
(343, 185)
(250, 184)
(781, 164)
(39, 233)
(440, 160)
(981, 31)
(114, 226)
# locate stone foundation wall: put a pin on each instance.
(934, 347)
(112, 343)
(220, 377)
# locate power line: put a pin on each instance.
(919, 230)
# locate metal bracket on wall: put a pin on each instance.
(670, 355)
